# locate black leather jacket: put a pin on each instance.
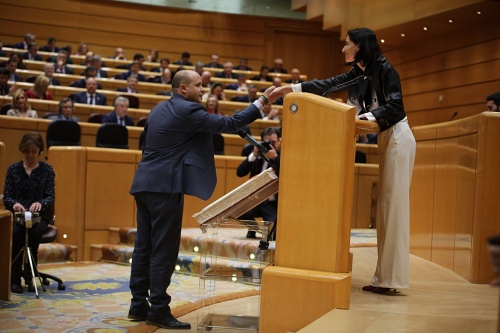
(382, 86)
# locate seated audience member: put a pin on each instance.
(29, 187)
(138, 58)
(4, 78)
(493, 102)
(206, 76)
(294, 76)
(164, 62)
(2, 52)
(216, 89)
(198, 67)
(255, 164)
(243, 65)
(184, 60)
(119, 114)
(263, 75)
(227, 73)
(96, 62)
(278, 67)
(65, 109)
(250, 97)
(12, 67)
(134, 71)
(212, 105)
(82, 49)
(118, 55)
(48, 68)
(214, 61)
(32, 53)
(166, 78)
(39, 90)
(90, 96)
(28, 39)
(61, 62)
(50, 46)
(82, 83)
(241, 85)
(277, 83)
(88, 59)
(68, 49)
(20, 106)
(153, 56)
(270, 112)
(131, 86)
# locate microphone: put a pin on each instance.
(244, 135)
(453, 116)
(344, 85)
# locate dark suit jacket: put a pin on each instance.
(112, 118)
(60, 117)
(178, 155)
(125, 90)
(140, 77)
(46, 49)
(158, 80)
(67, 70)
(55, 81)
(223, 75)
(82, 83)
(17, 78)
(4, 90)
(103, 73)
(81, 97)
(26, 56)
(19, 46)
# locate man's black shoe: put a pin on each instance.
(16, 288)
(139, 314)
(169, 323)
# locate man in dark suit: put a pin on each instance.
(255, 164)
(89, 71)
(119, 114)
(135, 67)
(51, 46)
(131, 86)
(227, 73)
(96, 62)
(90, 96)
(249, 97)
(184, 60)
(177, 159)
(294, 76)
(31, 54)
(28, 39)
(12, 67)
(48, 68)
(61, 63)
(165, 78)
(4, 78)
(65, 109)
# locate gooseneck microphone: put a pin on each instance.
(244, 135)
(344, 85)
(453, 116)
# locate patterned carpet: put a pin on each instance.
(97, 298)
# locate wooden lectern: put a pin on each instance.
(311, 275)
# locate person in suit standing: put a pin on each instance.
(177, 159)
(90, 96)
(254, 164)
(119, 114)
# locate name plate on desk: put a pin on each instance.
(240, 200)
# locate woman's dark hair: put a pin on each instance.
(369, 50)
(31, 139)
(215, 85)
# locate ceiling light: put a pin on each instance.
(478, 13)
(450, 21)
(382, 41)
(425, 28)
(402, 35)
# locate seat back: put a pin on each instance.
(63, 133)
(47, 115)
(4, 109)
(133, 101)
(218, 143)
(142, 121)
(112, 135)
(95, 118)
(31, 78)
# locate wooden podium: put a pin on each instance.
(311, 275)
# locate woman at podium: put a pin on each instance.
(374, 88)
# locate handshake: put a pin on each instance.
(272, 94)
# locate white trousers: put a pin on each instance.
(396, 147)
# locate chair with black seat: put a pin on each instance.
(4, 109)
(110, 135)
(63, 133)
(141, 122)
(133, 101)
(95, 118)
(218, 143)
(31, 78)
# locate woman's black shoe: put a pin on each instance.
(16, 288)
